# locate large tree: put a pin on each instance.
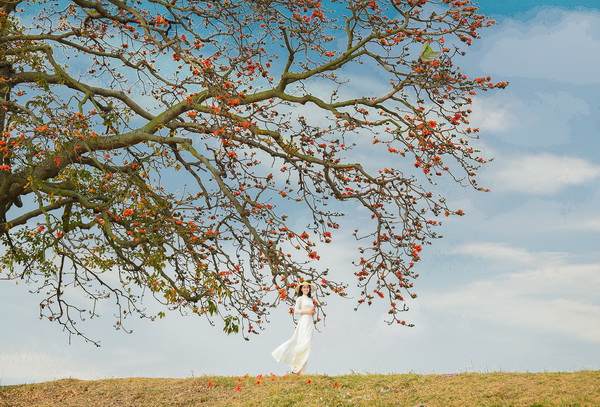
(159, 148)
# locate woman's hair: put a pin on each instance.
(309, 292)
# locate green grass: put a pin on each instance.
(467, 389)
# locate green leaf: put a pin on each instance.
(428, 54)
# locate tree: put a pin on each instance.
(159, 148)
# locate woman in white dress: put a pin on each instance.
(296, 350)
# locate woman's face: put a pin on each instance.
(305, 289)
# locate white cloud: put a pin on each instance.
(555, 45)
(541, 174)
(529, 119)
(553, 297)
(590, 224)
(541, 58)
(25, 366)
(496, 114)
(500, 252)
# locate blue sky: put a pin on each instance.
(513, 285)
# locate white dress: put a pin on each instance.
(296, 350)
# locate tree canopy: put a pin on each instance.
(162, 149)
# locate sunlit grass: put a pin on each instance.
(467, 389)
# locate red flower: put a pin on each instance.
(209, 384)
(335, 384)
(239, 388)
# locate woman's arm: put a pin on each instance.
(297, 309)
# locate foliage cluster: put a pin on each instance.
(161, 148)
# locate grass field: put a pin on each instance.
(466, 389)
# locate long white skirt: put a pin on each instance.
(296, 350)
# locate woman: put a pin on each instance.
(296, 350)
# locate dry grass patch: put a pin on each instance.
(469, 389)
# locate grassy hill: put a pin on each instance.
(466, 389)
